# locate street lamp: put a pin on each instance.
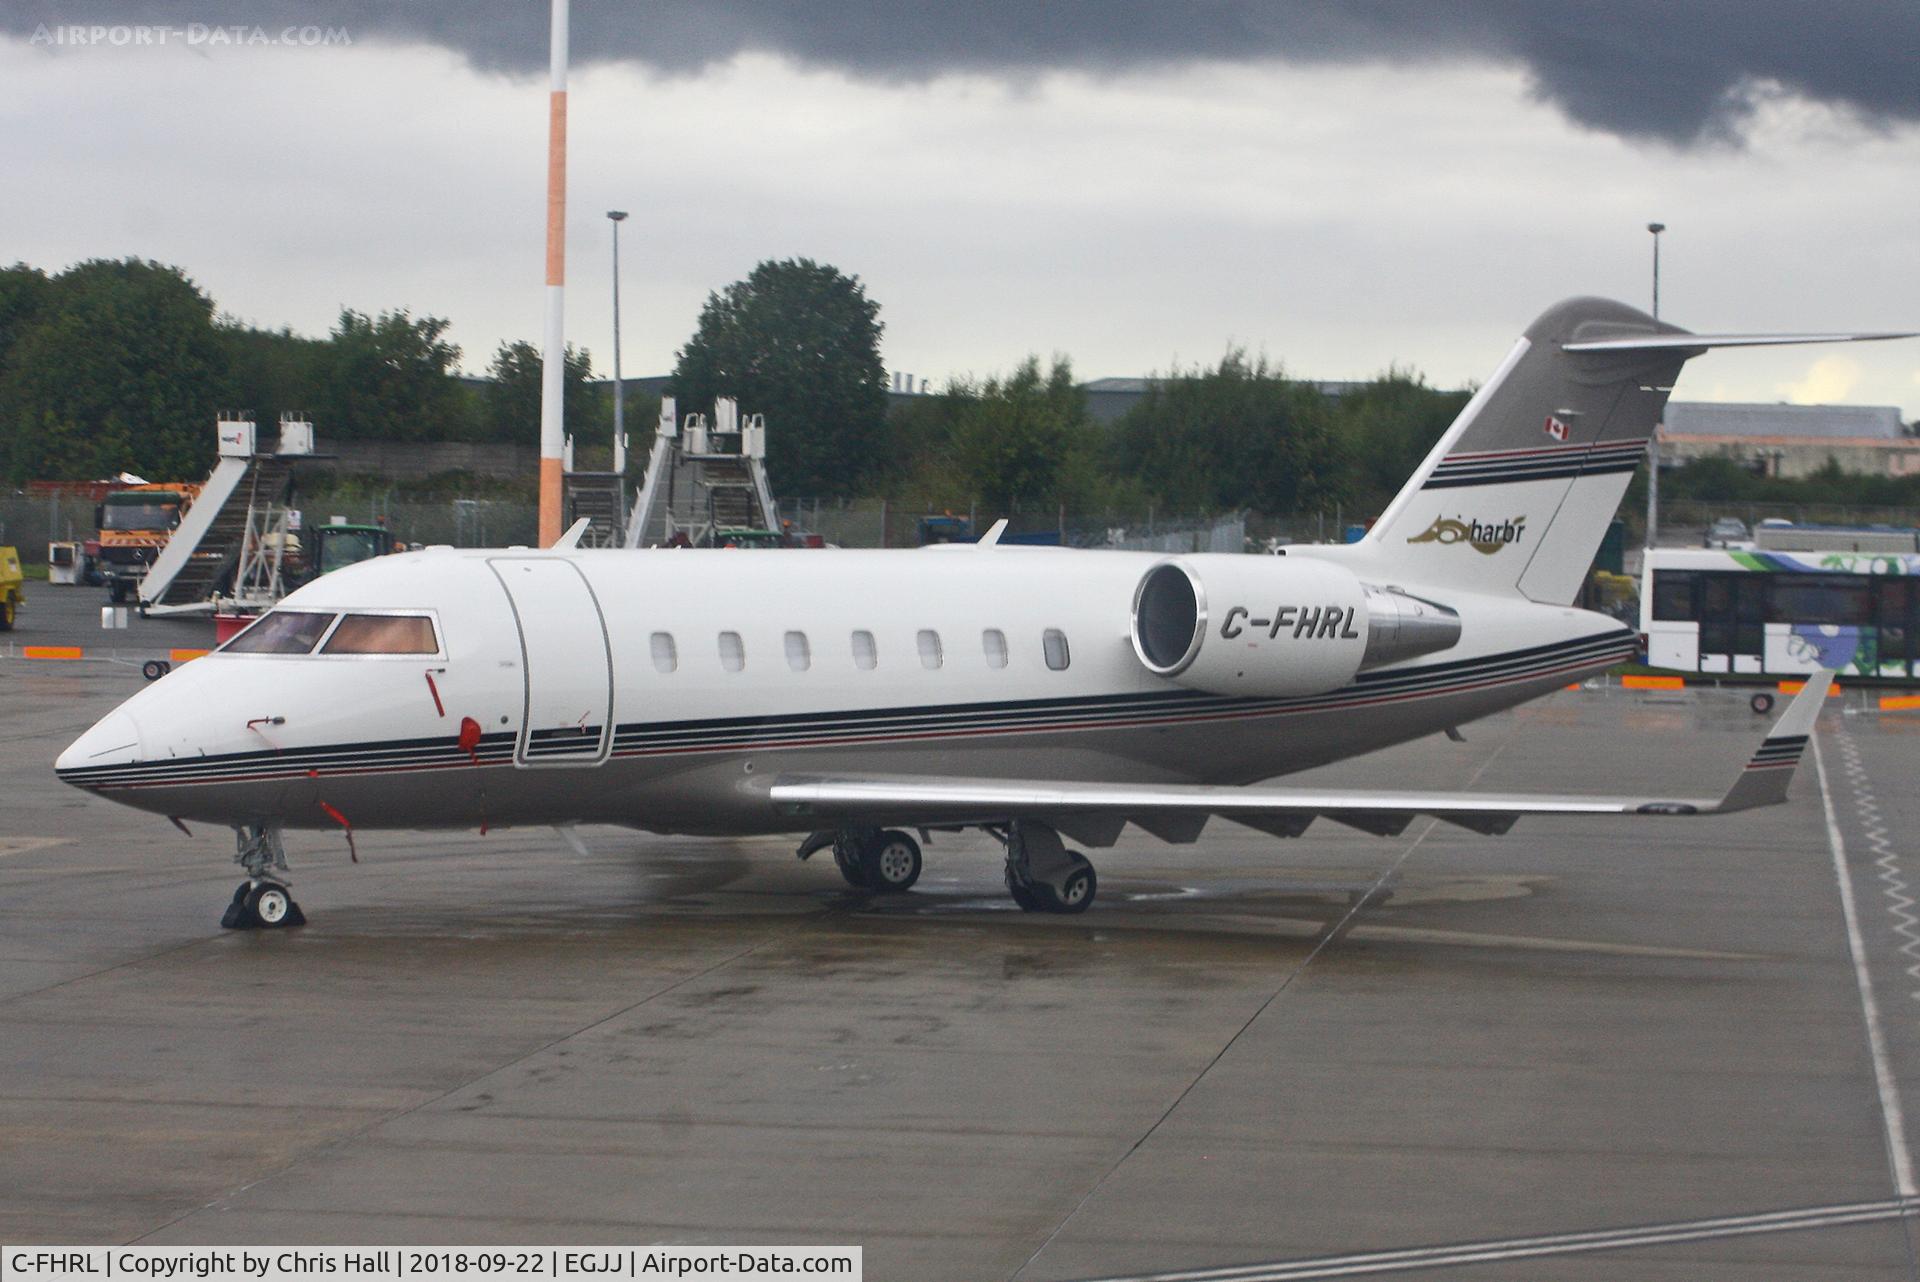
(616, 217)
(1653, 443)
(1656, 229)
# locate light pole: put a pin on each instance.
(616, 217)
(553, 351)
(1656, 229)
(1653, 442)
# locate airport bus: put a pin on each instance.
(1742, 612)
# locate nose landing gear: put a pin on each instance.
(260, 902)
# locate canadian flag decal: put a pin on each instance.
(1556, 429)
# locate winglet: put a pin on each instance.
(992, 537)
(571, 539)
(1764, 780)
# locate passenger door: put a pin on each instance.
(1897, 613)
(565, 659)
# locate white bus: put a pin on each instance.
(1782, 614)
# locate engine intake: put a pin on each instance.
(1276, 627)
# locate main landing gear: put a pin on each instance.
(1043, 875)
(260, 902)
(870, 859)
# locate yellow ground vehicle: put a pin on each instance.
(11, 597)
(135, 524)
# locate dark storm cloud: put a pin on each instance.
(1678, 70)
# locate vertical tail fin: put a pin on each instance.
(1517, 495)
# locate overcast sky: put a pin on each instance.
(1131, 183)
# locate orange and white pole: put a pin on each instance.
(553, 358)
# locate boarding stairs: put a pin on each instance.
(702, 479)
(600, 497)
(246, 488)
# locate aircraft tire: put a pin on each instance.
(891, 862)
(271, 906)
(1761, 702)
(1075, 895)
(850, 869)
(1023, 895)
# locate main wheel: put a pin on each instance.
(1075, 895)
(891, 862)
(850, 869)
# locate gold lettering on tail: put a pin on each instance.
(1484, 537)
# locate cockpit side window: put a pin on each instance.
(281, 632)
(383, 634)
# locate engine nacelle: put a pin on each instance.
(1276, 626)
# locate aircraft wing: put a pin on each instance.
(1095, 813)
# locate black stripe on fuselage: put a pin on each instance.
(828, 728)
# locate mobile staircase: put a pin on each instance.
(702, 481)
(237, 527)
(601, 497)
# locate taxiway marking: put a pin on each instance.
(1551, 1244)
(1893, 878)
(1892, 1115)
(21, 845)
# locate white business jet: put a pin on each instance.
(859, 696)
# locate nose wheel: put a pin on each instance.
(260, 902)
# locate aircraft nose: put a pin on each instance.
(114, 740)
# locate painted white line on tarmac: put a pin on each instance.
(1552, 1244)
(1892, 1115)
(21, 845)
(1893, 878)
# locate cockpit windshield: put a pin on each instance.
(383, 634)
(281, 632)
(299, 631)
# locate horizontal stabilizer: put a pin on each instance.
(1177, 812)
(1699, 342)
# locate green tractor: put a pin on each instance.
(332, 547)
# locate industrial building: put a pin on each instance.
(1790, 440)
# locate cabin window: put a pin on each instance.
(865, 655)
(382, 634)
(799, 653)
(1053, 642)
(733, 652)
(929, 642)
(281, 632)
(666, 656)
(994, 642)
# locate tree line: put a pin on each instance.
(121, 365)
